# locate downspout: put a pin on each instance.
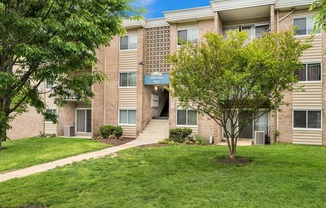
(104, 100)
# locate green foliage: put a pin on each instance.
(197, 139)
(179, 134)
(320, 17)
(53, 41)
(106, 131)
(226, 77)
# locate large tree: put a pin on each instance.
(53, 41)
(227, 78)
(320, 17)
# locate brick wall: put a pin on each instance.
(26, 125)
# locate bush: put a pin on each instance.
(179, 134)
(118, 132)
(106, 131)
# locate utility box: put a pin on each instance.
(69, 131)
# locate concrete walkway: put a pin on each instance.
(62, 162)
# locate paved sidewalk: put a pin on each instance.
(62, 162)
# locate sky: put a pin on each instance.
(156, 7)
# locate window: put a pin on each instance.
(128, 79)
(50, 111)
(84, 120)
(254, 31)
(127, 117)
(49, 86)
(309, 72)
(187, 117)
(128, 42)
(307, 119)
(305, 25)
(190, 35)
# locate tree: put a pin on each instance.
(53, 41)
(320, 17)
(234, 81)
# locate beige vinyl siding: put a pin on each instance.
(128, 60)
(50, 128)
(127, 98)
(315, 53)
(310, 98)
(311, 137)
(129, 131)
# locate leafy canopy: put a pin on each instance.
(53, 41)
(226, 77)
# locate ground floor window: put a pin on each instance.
(187, 117)
(307, 119)
(50, 111)
(258, 124)
(84, 120)
(127, 117)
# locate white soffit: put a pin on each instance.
(187, 15)
(131, 24)
(247, 13)
(223, 5)
(284, 4)
(156, 22)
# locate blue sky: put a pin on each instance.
(156, 7)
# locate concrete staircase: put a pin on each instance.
(156, 130)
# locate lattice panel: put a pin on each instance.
(158, 47)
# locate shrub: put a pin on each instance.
(118, 132)
(106, 131)
(179, 134)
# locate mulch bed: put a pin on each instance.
(115, 142)
(238, 160)
(3, 148)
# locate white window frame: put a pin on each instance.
(126, 109)
(52, 109)
(49, 86)
(252, 25)
(301, 17)
(313, 81)
(187, 29)
(308, 129)
(186, 125)
(134, 34)
(85, 109)
(253, 125)
(127, 72)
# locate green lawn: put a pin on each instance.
(180, 176)
(26, 152)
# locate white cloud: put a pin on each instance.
(144, 3)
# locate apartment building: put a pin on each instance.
(138, 73)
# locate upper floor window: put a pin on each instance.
(128, 42)
(128, 79)
(309, 72)
(305, 25)
(254, 31)
(49, 86)
(189, 35)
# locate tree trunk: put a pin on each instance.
(3, 135)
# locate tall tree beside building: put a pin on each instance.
(53, 41)
(231, 78)
(320, 17)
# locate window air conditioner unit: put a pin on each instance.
(259, 137)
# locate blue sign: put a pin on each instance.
(161, 79)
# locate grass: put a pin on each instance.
(180, 176)
(27, 152)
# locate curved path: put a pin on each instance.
(62, 162)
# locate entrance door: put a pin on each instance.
(84, 121)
